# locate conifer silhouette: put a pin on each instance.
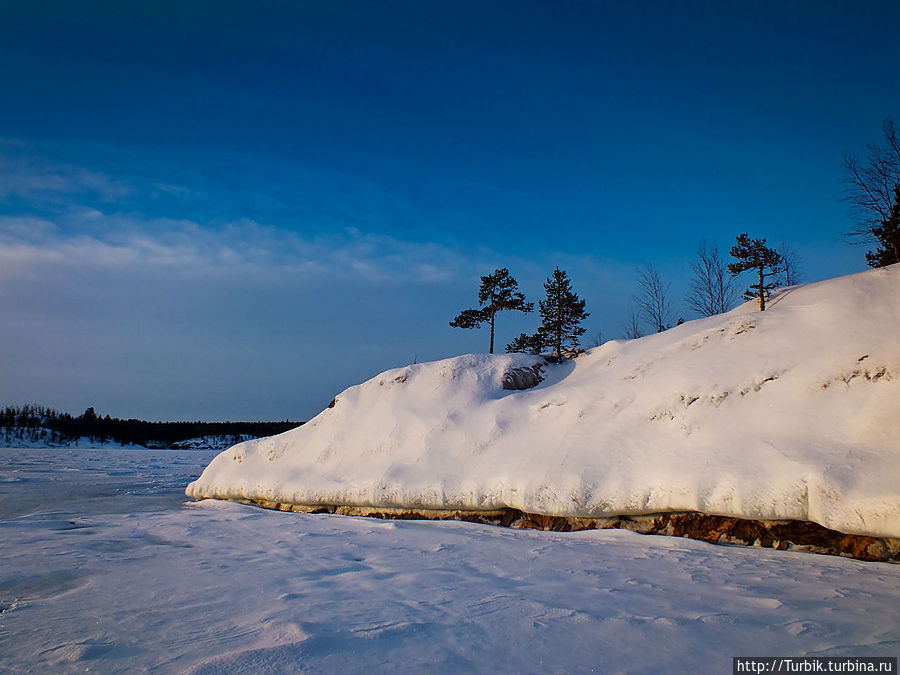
(499, 292)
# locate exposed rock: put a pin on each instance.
(783, 535)
(523, 378)
(795, 535)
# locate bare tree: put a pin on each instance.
(652, 299)
(633, 327)
(869, 182)
(596, 339)
(790, 271)
(712, 290)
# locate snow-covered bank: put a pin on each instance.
(41, 437)
(117, 574)
(788, 414)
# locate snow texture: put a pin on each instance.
(790, 413)
(103, 567)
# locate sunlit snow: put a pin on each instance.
(105, 567)
(790, 413)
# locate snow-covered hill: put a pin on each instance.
(793, 413)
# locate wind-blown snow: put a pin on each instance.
(103, 567)
(787, 414)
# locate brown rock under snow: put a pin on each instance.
(794, 535)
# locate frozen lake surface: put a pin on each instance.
(104, 565)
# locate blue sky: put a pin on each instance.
(221, 211)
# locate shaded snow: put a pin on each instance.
(107, 585)
(787, 414)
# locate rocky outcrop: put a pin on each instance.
(523, 377)
(795, 535)
(783, 535)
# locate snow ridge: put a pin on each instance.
(786, 414)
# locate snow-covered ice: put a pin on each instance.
(104, 566)
(787, 414)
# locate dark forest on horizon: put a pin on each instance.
(89, 424)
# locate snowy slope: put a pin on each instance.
(787, 414)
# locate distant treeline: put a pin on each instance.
(139, 432)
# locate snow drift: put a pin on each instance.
(793, 413)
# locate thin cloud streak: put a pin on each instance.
(29, 176)
(246, 248)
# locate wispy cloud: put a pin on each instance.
(30, 176)
(94, 240)
(142, 232)
(269, 214)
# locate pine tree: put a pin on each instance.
(499, 292)
(888, 236)
(752, 254)
(561, 313)
(527, 344)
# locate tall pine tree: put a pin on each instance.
(561, 313)
(888, 236)
(499, 292)
(752, 254)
